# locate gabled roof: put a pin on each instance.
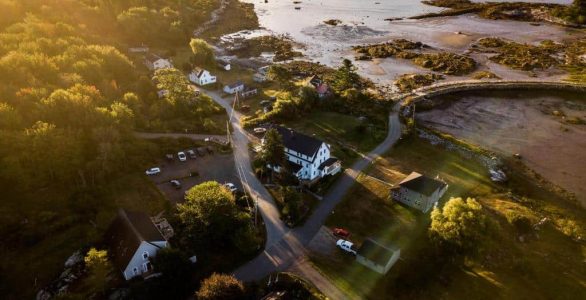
(376, 252)
(152, 57)
(330, 161)
(127, 232)
(198, 71)
(421, 184)
(315, 80)
(322, 88)
(299, 142)
(235, 84)
(223, 62)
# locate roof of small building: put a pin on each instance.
(235, 84)
(421, 184)
(330, 161)
(376, 252)
(322, 88)
(127, 232)
(198, 71)
(299, 142)
(152, 57)
(315, 80)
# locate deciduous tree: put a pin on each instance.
(221, 287)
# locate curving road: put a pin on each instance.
(284, 246)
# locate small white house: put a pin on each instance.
(377, 257)
(261, 74)
(133, 241)
(309, 158)
(419, 191)
(234, 88)
(154, 62)
(201, 77)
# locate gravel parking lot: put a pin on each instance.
(211, 167)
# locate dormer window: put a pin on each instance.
(135, 271)
(145, 255)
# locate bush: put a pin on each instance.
(519, 221)
(220, 287)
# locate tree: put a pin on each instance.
(346, 77)
(273, 150)
(203, 54)
(280, 74)
(220, 287)
(459, 226)
(209, 215)
(99, 267)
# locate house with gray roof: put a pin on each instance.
(419, 191)
(377, 257)
(133, 240)
(308, 158)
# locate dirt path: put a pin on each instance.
(305, 269)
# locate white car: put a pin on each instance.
(346, 246)
(153, 171)
(182, 156)
(260, 130)
(231, 187)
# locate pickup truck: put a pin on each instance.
(346, 246)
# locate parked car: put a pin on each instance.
(341, 232)
(176, 184)
(153, 171)
(210, 149)
(181, 156)
(169, 157)
(191, 154)
(346, 246)
(231, 187)
(260, 130)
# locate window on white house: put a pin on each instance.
(135, 271)
(145, 255)
(147, 267)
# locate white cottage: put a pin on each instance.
(419, 191)
(154, 62)
(133, 241)
(201, 77)
(234, 88)
(309, 158)
(261, 74)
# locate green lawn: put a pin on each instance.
(340, 131)
(541, 268)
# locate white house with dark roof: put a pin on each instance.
(234, 88)
(419, 191)
(201, 77)
(133, 240)
(309, 158)
(377, 257)
(154, 62)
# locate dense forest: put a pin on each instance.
(70, 100)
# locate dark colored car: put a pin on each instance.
(341, 232)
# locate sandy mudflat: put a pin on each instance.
(522, 124)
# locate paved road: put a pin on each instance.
(275, 228)
(282, 254)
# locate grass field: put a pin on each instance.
(340, 131)
(545, 266)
